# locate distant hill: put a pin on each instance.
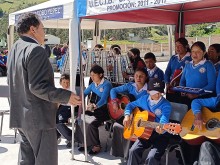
(9, 6)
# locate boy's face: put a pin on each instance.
(65, 84)
(156, 96)
(150, 63)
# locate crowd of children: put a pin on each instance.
(192, 67)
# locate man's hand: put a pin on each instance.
(74, 100)
(198, 122)
(126, 121)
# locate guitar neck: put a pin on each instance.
(150, 124)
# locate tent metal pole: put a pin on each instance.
(72, 47)
(10, 36)
(170, 30)
(180, 20)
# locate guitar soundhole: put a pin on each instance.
(123, 105)
(212, 124)
(139, 123)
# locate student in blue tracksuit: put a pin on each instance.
(97, 107)
(214, 55)
(199, 73)
(209, 152)
(135, 89)
(152, 69)
(176, 64)
(161, 108)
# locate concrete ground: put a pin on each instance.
(9, 149)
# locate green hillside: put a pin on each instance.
(9, 6)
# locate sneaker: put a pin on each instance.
(58, 140)
(69, 144)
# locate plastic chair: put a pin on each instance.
(4, 92)
(177, 114)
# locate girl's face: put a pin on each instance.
(197, 54)
(150, 63)
(156, 96)
(65, 83)
(180, 49)
(140, 78)
(96, 78)
(212, 53)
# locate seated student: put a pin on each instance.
(97, 108)
(199, 73)
(214, 55)
(64, 114)
(136, 89)
(158, 105)
(209, 151)
(152, 69)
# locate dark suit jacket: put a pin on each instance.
(33, 96)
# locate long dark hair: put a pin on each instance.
(183, 41)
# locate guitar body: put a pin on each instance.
(117, 114)
(134, 131)
(210, 130)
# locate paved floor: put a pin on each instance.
(9, 149)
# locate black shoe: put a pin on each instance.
(69, 144)
(81, 149)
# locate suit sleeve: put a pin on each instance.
(39, 78)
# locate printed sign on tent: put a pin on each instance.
(95, 7)
(55, 12)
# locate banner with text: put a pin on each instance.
(95, 7)
(55, 12)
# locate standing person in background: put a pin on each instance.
(174, 68)
(57, 52)
(137, 62)
(214, 55)
(64, 48)
(152, 69)
(33, 95)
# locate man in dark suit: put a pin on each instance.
(33, 95)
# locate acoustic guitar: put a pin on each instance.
(142, 125)
(117, 114)
(210, 130)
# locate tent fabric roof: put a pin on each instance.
(194, 12)
(68, 13)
